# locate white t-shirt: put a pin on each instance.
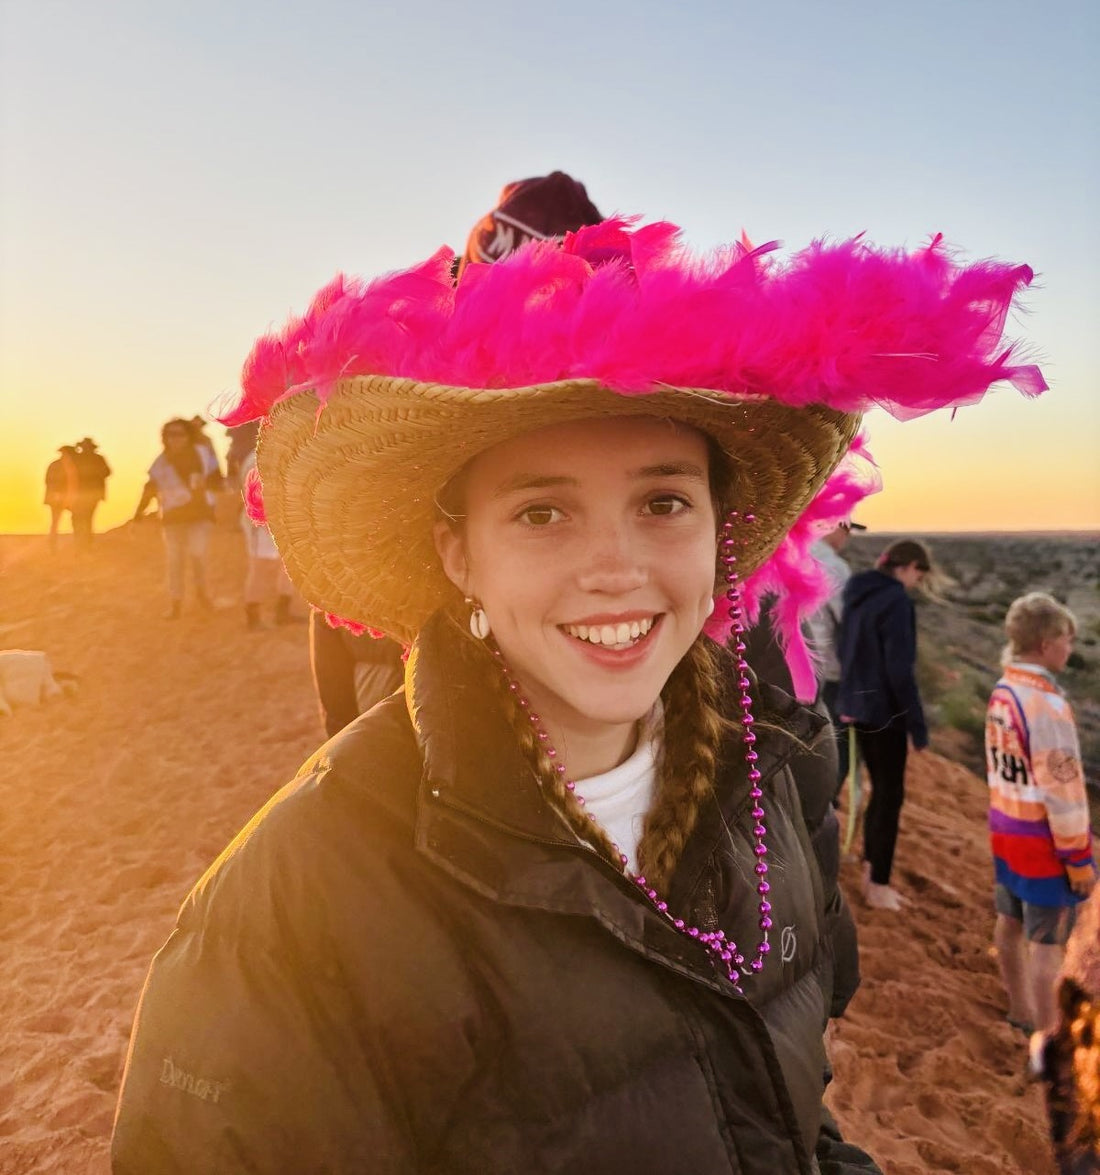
(621, 797)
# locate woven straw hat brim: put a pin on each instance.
(350, 489)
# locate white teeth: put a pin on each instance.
(611, 635)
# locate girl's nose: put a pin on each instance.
(613, 563)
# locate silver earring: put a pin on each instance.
(479, 622)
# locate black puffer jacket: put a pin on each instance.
(406, 963)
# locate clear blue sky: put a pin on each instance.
(176, 178)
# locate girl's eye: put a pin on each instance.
(669, 504)
(540, 515)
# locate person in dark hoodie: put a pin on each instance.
(879, 696)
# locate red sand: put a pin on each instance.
(112, 803)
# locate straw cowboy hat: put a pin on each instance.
(382, 391)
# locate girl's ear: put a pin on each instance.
(452, 554)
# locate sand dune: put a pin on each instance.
(113, 802)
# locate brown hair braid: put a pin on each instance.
(694, 726)
(550, 781)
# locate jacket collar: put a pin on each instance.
(472, 761)
(471, 757)
(1028, 673)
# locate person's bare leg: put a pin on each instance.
(1012, 958)
(1044, 962)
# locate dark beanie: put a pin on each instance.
(537, 209)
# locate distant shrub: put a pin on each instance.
(931, 676)
(959, 709)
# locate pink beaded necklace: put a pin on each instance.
(723, 948)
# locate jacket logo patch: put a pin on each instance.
(204, 1088)
(788, 944)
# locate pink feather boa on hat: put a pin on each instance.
(847, 325)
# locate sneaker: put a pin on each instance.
(882, 897)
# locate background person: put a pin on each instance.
(61, 484)
(825, 631)
(92, 472)
(265, 578)
(880, 697)
(506, 920)
(1038, 808)
(351, 671)
(181, 480)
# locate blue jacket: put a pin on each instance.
(878, 656)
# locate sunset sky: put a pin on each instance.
(176, 178)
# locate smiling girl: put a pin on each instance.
(553, 906)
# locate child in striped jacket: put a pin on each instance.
(1038, 809)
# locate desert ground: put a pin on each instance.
(115, 799)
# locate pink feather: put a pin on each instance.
(254, 498)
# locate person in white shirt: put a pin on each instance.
(825, 630)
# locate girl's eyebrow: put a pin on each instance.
(525, 481)
(670, 469)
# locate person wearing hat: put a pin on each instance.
(92, 472)
(552, 907)
(61, 487)
(825, 629)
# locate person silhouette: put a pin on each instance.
(92, 472)
(61, 489)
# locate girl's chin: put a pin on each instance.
(617, 711)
